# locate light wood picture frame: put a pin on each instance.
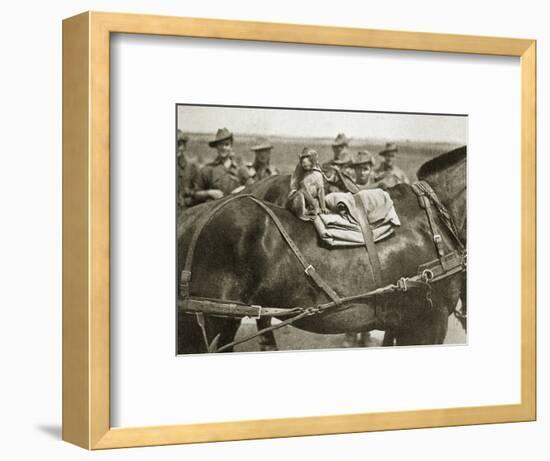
(86, 229)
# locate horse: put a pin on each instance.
(276, 189)
(240, 256)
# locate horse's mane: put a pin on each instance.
(441, 162)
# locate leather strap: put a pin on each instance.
(432, 271)
(348, 183)
(444, 267)
(427, 194)
(372, 252)
(310, 271)
(437, 239)
(185, 277)
(428, 200)
(232, 309)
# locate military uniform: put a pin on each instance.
(339, 180)
(188, 173)
(260, 167)
(339, 177)
(364, 162)
(215, 175)
(386, 175)
(258, 172)
(345, 158)
(391, 176)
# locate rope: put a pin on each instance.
(402, 285)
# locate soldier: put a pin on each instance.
(342, 154)
(364, 169)
(348, 169)
(342, 162)
(188, 172)
(260, 168)
(388, 174)
(223, 176)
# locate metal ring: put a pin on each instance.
(427, 275)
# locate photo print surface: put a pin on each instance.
(301, 229)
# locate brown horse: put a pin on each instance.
(240, 256)
(276, 189)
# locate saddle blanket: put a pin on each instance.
(341, 227)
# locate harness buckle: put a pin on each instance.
(402, 284)
(438, 244)
(308, 268)
(257, 317)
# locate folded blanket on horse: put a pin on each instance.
(341, 228)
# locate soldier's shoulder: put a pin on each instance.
(238, 160)
(400, 172)
(207, 168)
(209, 165)
(194, 167)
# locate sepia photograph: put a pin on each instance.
(303, 229)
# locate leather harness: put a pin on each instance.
(372, 253)
(310, 271)
(432, 271)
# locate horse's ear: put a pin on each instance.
(441, 162)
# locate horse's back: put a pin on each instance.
(274, 189)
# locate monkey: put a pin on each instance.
(307, 189)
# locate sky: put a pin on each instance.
(325, 124)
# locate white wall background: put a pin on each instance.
(30, 234)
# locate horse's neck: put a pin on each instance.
(450, 187)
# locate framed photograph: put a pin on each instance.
(276, 230)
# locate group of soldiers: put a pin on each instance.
(362, 168)
(228, 174)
